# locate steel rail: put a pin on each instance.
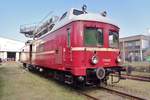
(135, 77)
(148, 77)
(139, 78)
(87, 95)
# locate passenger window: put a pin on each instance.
(63, 16)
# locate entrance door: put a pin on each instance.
(58, 55)
(11, 56)
(68, 53)
(30, 54)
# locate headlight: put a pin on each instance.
(118, 59)
(94, 60)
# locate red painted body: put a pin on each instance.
(51, 51)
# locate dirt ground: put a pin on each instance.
(18, 84)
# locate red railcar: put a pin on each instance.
(80, 48)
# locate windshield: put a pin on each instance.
(93, 37)
(77, 12)
(113, 39)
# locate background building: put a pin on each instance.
(9, 49)
(135, 48)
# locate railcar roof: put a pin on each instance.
(70, 16)
(75, 15)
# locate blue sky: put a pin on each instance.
(133, 16)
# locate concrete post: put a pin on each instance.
(5, 55)
(17, 56)
(141, 54)
(123, 51)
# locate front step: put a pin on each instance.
(68, 79)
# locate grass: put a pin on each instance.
(18, 84)
(137, 64)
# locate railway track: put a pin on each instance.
(136, 77)
(122, 94)
(140, 76)
(113, 92)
